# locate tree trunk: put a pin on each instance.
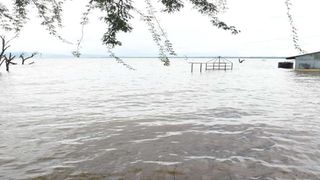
(7, 67)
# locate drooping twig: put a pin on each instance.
(157, 32)
(83, 23)
(294, 30)
(6, 19)
(48, 21)
(210, 9)
(157, 39)
(167, 43)
(118, 59)
(221, 5)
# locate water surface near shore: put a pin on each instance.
(93, 118)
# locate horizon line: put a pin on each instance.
(186, 57)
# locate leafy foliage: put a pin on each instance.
(211, 10)
(172, 5)
(118, 14)
(6, 19)
(294, 30)
(119, 60)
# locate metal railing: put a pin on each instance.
(218, 63)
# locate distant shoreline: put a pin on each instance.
(231, 57)
(58, 56)
(189, 57)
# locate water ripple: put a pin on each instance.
(89, 119)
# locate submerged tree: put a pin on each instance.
(4, 48)
(118, 14)
(7, 58)
(24, 58)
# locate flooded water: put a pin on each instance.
(95, 119)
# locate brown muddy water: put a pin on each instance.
(94, 119)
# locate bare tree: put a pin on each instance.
(4, 48)
(23, 59)
(9, 60)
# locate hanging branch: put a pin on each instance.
(157, 39)
(148, 19)
(294, 30)
(119, 60)
(221, 5)
(51, 22)
(211, 10)
(50, 13)
(6, 19)
(160, 36)
(83, 23)
(20, 13)
(172, 5)
(57, 12)
(117, 19)
(117, 16)
(167, 43)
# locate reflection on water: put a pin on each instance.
(94, 119)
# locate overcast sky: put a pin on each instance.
(265, 31)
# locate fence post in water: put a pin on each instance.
(200, 67)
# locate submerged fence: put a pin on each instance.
(218, 63)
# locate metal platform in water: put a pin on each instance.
(218, 63)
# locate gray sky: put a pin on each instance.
(265, 31)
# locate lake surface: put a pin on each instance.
(95, 119)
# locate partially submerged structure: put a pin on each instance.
(219, 63)
(307, 62)
(285, 65)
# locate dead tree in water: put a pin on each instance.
(9, 61)
(4, 48)
(6, 58)
(26, 58)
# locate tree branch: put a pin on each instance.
(26, 58)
